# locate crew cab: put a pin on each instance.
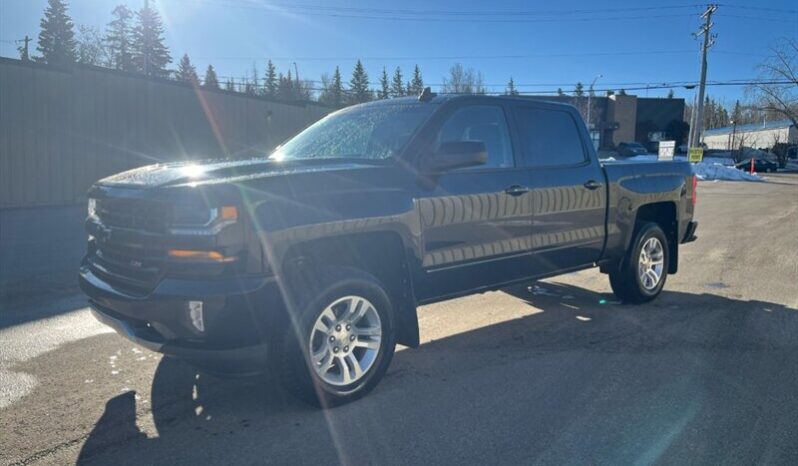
(310, 263)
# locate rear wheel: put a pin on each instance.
(644, 270)
(343, 339)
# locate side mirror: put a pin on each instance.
(456, 154)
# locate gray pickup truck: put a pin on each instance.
(310, 263)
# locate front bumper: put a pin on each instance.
(239, 313)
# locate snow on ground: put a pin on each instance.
(717, 171)
(711, 168)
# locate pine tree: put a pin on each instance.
(337, 88)
(230, 85)
(417, 84)
(186, 71)
(511, 90)
(57, 37)
(211, 81)
(119, 39)
(670, 93)
(397, 85)
(560, 92)
(271, 79)
(622, 92)
(359, 84)
(150, 54)
(579, 90)
(385, 89)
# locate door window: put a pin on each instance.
(484, 123)
(550, 138)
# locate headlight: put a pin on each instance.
(194, 215)
(92, 207)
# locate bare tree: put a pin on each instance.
(782, 66)
(91, 47)
(463, 81)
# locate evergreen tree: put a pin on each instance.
(150, 54)
(359, 84)
(186, 71)
(670, 93)
(285, 87)
(57, 37)
(337, 88)
(417, 83)
(211, 81)
(408, 89)
(579, 90)
(230, 85)
(119, 39)
(385, 89)
(560, 92)
(511, 90)
(398, 88)
(622, 92)
(271, 79)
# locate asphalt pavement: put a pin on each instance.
(553, 372)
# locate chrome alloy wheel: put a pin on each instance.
(651, 263)
(345, 340)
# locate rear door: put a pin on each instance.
(567, 185)
(475, 221)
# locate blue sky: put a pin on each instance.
(551, 44)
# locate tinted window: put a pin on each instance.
(550, 137)
(484, 123)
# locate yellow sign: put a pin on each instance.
(696, 154)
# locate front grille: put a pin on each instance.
(134, 214)
(133, 269)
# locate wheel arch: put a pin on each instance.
(381, 254)
(665, 215)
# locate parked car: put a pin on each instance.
(311, 262)
(630, 149)
(760, 165)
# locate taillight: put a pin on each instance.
(695, 189)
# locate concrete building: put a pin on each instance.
(628, 118)
(763, 135)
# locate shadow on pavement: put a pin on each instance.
(687, 379)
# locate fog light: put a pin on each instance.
(195, 313)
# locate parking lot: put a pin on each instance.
(553, 372)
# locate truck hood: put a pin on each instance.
(196, 173)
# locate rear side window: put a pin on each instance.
(550, 137)
(484, 123)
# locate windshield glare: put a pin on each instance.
(369, 132)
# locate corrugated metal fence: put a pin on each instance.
(61, 129)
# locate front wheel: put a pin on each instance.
(642, 274)
(342, 341)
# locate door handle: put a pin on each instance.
(516, 190)
(592, 185)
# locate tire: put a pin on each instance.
(627, 281)
(347, 293)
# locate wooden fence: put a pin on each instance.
(61, 129)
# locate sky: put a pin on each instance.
(542, 45)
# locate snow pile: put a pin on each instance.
(711, 168)
(717, 171)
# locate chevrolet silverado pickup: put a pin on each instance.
(310, 263)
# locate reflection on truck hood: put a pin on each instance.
(180, 173)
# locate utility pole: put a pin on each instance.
(146, 45)
(25, 55)
(709, 40)
(589, 97)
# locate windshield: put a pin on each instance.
(373, 132)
